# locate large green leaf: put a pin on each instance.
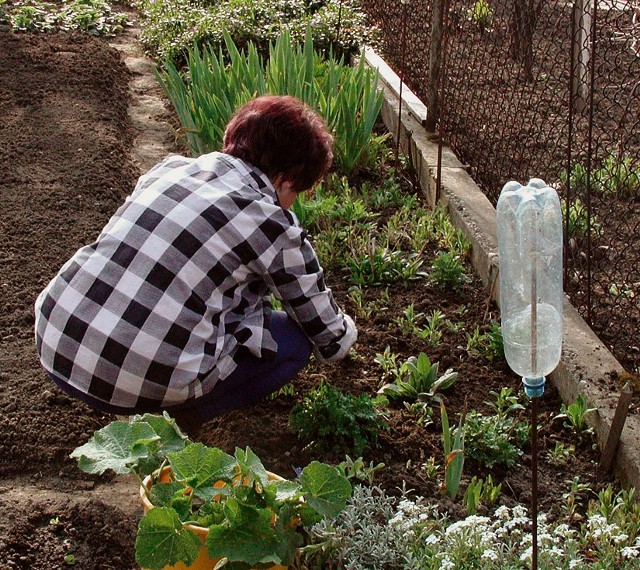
(325, 489)
(171, 438)
(247, 536)
(118, 446)
(201, 467)
(162, 540)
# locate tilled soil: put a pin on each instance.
(66, 163)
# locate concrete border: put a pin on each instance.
(586, 365)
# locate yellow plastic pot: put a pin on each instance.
(203, 561)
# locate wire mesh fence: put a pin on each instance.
(544, 88)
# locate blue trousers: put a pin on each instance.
(254, 378)
(250, 382)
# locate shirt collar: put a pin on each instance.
(252, 175)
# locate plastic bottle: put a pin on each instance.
(530, 249)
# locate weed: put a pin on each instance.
(329, 419)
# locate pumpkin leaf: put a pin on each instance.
(246, 536)
(162, 540)
(201, 467)
(120, 446)
(326, 490)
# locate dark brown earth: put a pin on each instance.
(66, 148)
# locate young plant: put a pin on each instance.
(499, 438)
(430, 331)
(358, 469)
(560, 454)
(488, 344)
(578, 222)
(575, 417)
(619, 176)
(453, 444)
(481, 14)
(366, 308)
(378, 266)
(480, 492)
(448, 271)
(416, 377)
(329, 419)
(430, 468)
(252, 519)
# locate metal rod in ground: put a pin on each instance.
(534, 483)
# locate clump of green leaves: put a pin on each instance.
(619, 175)
(416, 377)
(253, 519)
(171, 27)
(489, 344)
(329, 419)
(575, 417)
(498, 438)
(377, 265)
(427, 328)
(94, 17)
(366, 308)
(577, 220)
(358, 470)
(481, 492)
(448, 270)
(560, 454)
(481, 14)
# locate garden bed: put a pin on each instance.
(66, 164)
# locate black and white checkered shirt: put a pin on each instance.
(156, 308)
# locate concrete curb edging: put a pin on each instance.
(586, 365)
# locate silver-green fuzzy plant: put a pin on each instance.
(361, 535)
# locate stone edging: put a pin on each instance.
(586, 364)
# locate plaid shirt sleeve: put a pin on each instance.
(296, 278)
(155, 308)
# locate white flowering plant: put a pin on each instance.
(379, 531)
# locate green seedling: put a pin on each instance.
(575, 417)
(481, 492)
(358, 469)
(448, 271)
(415, 377)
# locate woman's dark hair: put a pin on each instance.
(282, 137)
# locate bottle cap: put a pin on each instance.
(534, 387)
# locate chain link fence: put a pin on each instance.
(548, 89)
